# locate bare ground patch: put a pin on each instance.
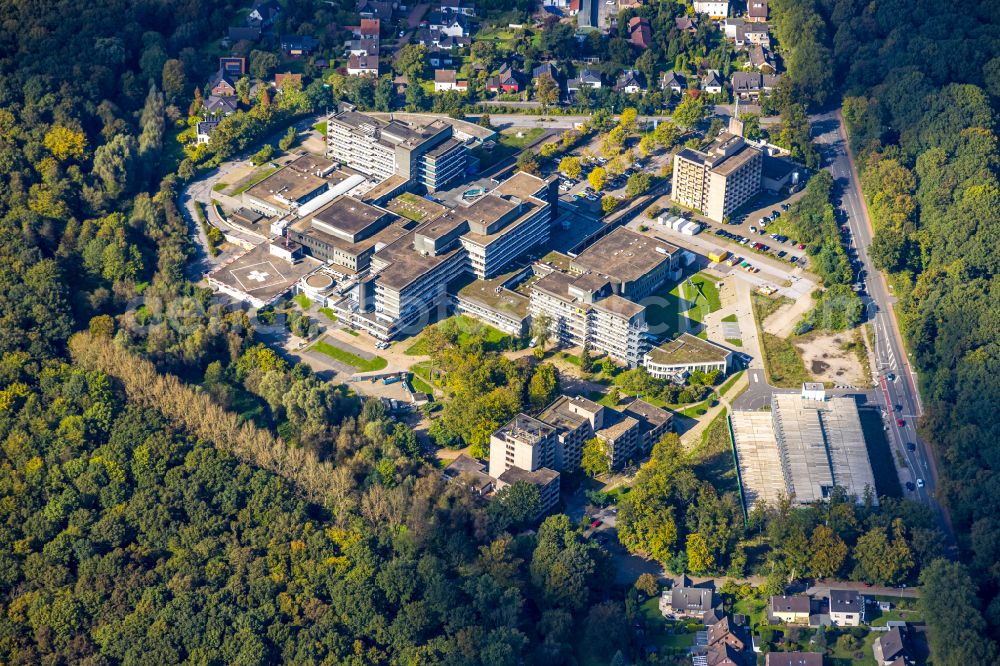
(829, 358)
(784, 320)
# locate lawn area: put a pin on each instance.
(752, 607)
(426, 372)
(730, 318)
(697, 409)
(507, 145)
(660, 632)
(320, 127)
(527, 137)
(468, 329)
(258, 176)
(692, 298)
(713, 459)
(302, 300)
(219, 187)
(336, 353)
(328, 313)
(736, 342)
(421, 386)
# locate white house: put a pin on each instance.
(714, 9)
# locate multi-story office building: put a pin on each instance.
(347, 232)
(524, 450)
(569, 423)
(427, 154)
(719, 180)
(594, 303)
(409, 276)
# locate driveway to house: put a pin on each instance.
(412, 23)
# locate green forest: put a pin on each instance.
(921, 85)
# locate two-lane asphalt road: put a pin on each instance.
(897, 388)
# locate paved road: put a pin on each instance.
(894, 375)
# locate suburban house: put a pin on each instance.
(233, 67)
(714, 8)
(761, 59)
(682, 601)
(287, 77)
(727, 644)
(453, 25)
(686, 24)
(362, 46)
(586, 78)
(630, 82)
(505, 80)
(640, 33)
(462, 7)
(263, 13)
(757, 11)
(847, 608)
(712, 82)
(730, 26)
(375, 9)
(747, 85)
(447, 79)
(222, 85)
(752, 33)
(674, 82)
(444, 59)
(220, 106)
(790, 610)
(204, 130)
(892, 648)
(297, 46)
(362, 65)
(546, 68)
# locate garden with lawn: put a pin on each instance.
(684, 307)
(464, 329)
(338, 354)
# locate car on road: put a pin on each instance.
(901, 423)
(891, 377)
(910, 486)
(910, 446)
(920, 483)
(596, 523)
(898, 408)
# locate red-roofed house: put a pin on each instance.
(281, 79)
(639, 32)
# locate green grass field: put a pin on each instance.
(683, 301)
(328, 313)
(421, 386)
(493, 339)
(303, 301)
(336, 353)
(320, 127)
(728, 384)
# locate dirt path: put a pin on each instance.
(783, 322)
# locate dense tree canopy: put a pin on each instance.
(921, 107)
